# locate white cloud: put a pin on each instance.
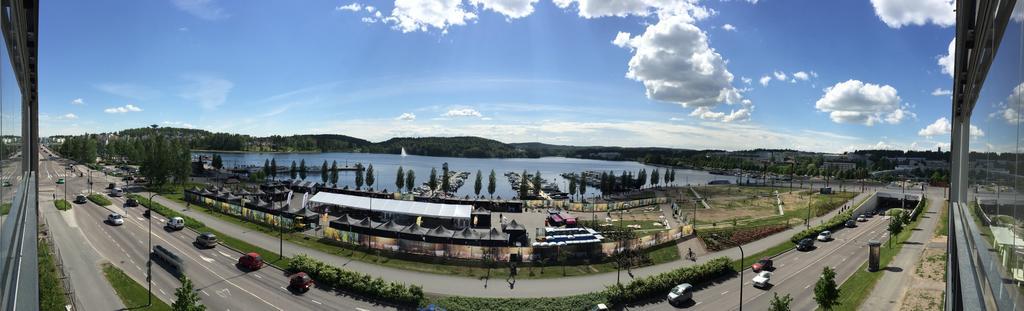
(779, 75)
(207, 91)
(746, 80)
(941, 92)
(464, 112)
(123, 109)
(946, 61)
(729, 27)
(204, 9)
(68, 116)
(674, 62)
(421, 15)
(407, 116)
(354, 7)
(802, 76)
(764, 80)
(510, 8)
(78, 101)
(899, 13)
(857, 102)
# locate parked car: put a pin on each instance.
(251, 261)
(825, 236)
(762, 279)
(206, 240)
(116, 192)
(80, 199)
(681, 293)
(805, 245)
(763, 264)
(60, 181)
(851, 224)
(300, 282)
(115, 219)
(131, 202)
(175, 223)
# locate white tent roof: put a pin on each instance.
(395, 206)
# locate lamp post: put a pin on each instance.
(149, 262)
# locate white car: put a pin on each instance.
(115, 219)
(825, 236)
(680, 293)
(762, 279)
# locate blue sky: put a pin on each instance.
(838, 75)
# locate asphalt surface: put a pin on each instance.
(220, 284)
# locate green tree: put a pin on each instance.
(479, 184)
(536, 184)
(410, 180)
(186, 298)
(323, 173)
(780, 303)
(369, 177)
(572, 184)
(302, 169)
(491, 180)
(445, 184)
(524, 187)
(432, 182)
(273, 168)
(826, 292)
(400, 179)
(294, 171)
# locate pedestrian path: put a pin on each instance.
(465, 286)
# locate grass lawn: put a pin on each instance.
(856, 289)
(51, 291)
(665, 253)
(99, 199)
(132, 294)
(62, 205)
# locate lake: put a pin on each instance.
(386, 165)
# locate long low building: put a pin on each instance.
(405, 212)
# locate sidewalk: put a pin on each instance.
(894, 282)
(463, 286)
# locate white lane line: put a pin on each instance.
(316, 302)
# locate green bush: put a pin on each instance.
(167, 212)
(62, 205)
(357, 282)
(657, 285)
(99, 199)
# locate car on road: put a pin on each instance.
(206, 240)
(861, 218)
(762, 279)
(175, 224)
(681, 293)
(763, 264)
(60, 181)
(251, 261)
(851, 223)
(825, 236)
(80, 199)
(115, 219)
(300, 282)
(131, 202)
(116, 192)
(805, 244)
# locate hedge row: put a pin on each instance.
(167, 212)
(357, 282)
(99, 199)
(835, 222)
(658, 285)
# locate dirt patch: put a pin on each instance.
(921, 300)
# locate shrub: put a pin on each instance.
(99, 199)
(357, 282)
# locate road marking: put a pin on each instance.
(725, 292)
(316, 302)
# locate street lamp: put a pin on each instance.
(149, 262)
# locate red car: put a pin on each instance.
(251, 261)
(763, 264)
(300, 282)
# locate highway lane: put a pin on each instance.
(222, 286)
(795, 273)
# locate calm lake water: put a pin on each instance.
(386, 165)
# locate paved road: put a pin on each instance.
(221, 285)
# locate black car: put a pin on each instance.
(131, 203)
(851, 223)
(805, 244)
